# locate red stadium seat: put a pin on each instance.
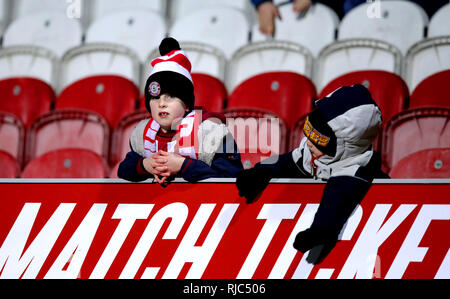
(68, 129)
(388, 90)
(12, 136)
(258, 134)
(210, 92)
(27, 98)
(120, 144)
(434, 91)
(111, 96)
(66, 163)
(429, 164)
(286, 94)
(415, 130)
(9, 166)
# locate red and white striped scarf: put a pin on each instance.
(186, 137)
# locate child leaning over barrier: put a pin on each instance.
(178, 140)
(337, 149)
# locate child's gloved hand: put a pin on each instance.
(252, 182)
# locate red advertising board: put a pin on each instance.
(110, 229)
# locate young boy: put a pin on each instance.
(337, 148)
(178, 140)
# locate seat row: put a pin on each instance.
(259, 134)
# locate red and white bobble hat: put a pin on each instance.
(171, 74)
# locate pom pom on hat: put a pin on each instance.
(168, 45)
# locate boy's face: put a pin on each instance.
(166, 109)
(313, 149)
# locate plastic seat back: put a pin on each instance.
(388, 90)
(210, 92)
(9, 166)
(414, 130)
(314, 30)
(139, 30)
(258, 135)
(99, 59)
(348, 56)
(67, 163)
(111, 96)
(433, 91)
(30, 62)
(12, 136)
(296, 134)
(440, 22)
(288, 95)
(27, 98)
(68, 129)
(426, 164)
(223, 27)
(181, 8)
(401, 23)
(51, 30)
(426, 58)
(269, 56)
(120, 143)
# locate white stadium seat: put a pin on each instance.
(4, 15)
(205, 59)
(71, 8)
(29, 61)
(225, 28)
(316, 29)
(347, 56)
(100, 8)
(401, 23)
(440, 22)
(180, 8)
(425, 59)
(139, 30)
(269, 56)
(99, 59)
(54, 31)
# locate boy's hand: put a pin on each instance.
(267, 12)
(163, 165)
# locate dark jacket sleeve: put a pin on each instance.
(224, 165)
(132, 169)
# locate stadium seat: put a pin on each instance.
(99, 59)
(66, 163)
(426, 164)
(258, 134)
(68, 129)
(440, 22)
(101, 8)
(120, 142)
(181, 8)
(269, 56)
(210, 93)
(388, 90)
(296, 134)
(343, 57)
(288, 95)
(433, 91)
(113, 172)
(400, 23)
(314, 30)
(110, 96)
(22, 8)
(204, 58)
(27, 98)
(30, 62)
(222, 27)
(414, 130)
(9, 166)
(54, 31)
(12, 136)
(139, 30)
(425, 59)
